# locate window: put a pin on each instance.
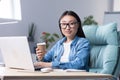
(10, 10)
(116, 6)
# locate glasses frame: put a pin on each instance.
(71, 25)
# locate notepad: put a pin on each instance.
(74, 70)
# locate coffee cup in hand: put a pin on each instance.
(41, 46)
(41, 50)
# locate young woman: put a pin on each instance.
(70, 52)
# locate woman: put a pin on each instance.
(70, 52)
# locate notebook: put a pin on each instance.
(16, 53)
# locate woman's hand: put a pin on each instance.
(43, 64)
(39, 54)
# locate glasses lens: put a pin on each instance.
(63, 25)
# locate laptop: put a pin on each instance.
(16, 53)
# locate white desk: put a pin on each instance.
(13, 74)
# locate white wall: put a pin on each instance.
(45, 14)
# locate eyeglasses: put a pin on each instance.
(71, 25)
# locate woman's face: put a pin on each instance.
(69, 26)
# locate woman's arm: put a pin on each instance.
(44, 59)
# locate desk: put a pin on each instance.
(13, 74)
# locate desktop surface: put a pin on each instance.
(13, 74)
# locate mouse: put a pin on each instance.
(45, 70)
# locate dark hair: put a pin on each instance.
(80, 32)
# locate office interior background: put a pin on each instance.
(45, 14)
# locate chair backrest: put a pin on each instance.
(104, 47)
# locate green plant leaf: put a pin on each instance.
(89, 20)
(31, 30)
(56, 35)
(52, 38)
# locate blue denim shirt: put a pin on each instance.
(78, 57)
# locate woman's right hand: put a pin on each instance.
(39, 54)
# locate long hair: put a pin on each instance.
(80, 32)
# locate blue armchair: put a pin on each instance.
(104, 53)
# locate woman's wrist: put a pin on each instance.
(46, 64)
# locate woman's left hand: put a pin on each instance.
(43, 64)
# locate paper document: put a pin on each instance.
(74, 70)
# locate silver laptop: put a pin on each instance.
(16, 53)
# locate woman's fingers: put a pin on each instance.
(37, 64)
(39, 54)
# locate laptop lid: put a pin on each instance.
(16, 53)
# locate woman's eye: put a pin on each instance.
(71, 23)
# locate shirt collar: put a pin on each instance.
(73, 42)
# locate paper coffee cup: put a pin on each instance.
(42, 46)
